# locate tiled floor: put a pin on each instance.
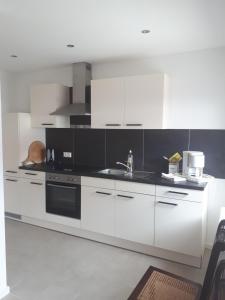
(47, 265)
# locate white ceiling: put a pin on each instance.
(104, 30)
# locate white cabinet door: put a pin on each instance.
(97, 210)
(12, 195)
(178, 225)
(144, 106)
(33, 198)
(107, 103)
(134, 217)
(46, 98)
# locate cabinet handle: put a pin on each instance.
(168, 203)
(36, 183)
(31, 174)
(124, 196)
(134, 124)
(113, 124)
(14, 172)
(178, 193)
(103, 193)
(47, 124)
(13, 180)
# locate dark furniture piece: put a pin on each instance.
(160, 285)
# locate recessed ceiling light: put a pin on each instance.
(13, 55)
(144, 31)
(70, 45)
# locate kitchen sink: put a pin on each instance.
(123, 173)
(115, 172)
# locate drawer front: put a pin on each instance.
(179, 193)
(134, 187)
(33, 175)
(12, 172)
(98, 182)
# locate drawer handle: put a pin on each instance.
(168, 203)
(47, 124)
(124, 196)
(14, 172)
(31, 174)
(134, 124)
(36, 183)
(13, 180)
(178, 193)
(113, 124)
(103, 193)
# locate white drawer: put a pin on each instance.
(98, 182)
(179, 193)
(12, 172)
(29, 174)
(135, 187)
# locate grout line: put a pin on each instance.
(189, 139)
(105, 146)
(143, 150)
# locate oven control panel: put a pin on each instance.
(64, 178)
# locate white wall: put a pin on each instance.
(197, 93)
(4, 290)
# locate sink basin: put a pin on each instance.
(122, 173)
(116, 172)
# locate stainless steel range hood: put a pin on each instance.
(81, 100)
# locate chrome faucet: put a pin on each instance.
(130, 163)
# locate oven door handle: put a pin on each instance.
(61, 186)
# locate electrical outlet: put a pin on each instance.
(67, 154)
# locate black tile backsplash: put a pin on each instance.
(102, 148)
(61, 140)
(118, 144)
(159, 143)
(89, 147)
(212, 143)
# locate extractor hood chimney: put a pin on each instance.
(81, 100)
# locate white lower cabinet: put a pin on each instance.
(134, 217)
(97, 210)
(12, 195)
(179, 225)
(32, 198)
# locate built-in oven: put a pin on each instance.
(63, 195)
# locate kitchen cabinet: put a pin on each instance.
(178, 226)
(12, 195)
(130, 102)
(97, 210)
(107, 103)
(33, 200)
(45, 99)
(134, 217)
(17, 136)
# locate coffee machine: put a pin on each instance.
(193, 164)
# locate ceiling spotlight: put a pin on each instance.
(70, 45)
(13, 55)
(144, 31)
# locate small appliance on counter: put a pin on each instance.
(193, 163)
(50, 156)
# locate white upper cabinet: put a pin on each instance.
(145, 101)
(45, 99)
(129, 102)
(17, 136)
(107, 103)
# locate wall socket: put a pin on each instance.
(67, 154)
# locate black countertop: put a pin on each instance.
(93, 172)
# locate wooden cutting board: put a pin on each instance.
(36, 153)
